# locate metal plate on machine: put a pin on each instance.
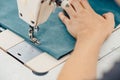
(24, 52)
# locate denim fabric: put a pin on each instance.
(54, 38)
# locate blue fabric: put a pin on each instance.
(103, 6)
(53, 35)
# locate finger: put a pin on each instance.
(109, 16)
(63, 18)
(86, 5)
(77, 5)
(69, 9)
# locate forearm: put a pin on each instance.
(82, 63)
(92, 30)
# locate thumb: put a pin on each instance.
(109, 16)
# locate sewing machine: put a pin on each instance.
(38, 13)
(36, 60)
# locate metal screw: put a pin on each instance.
(32, 22)
(21, 14)
(19, 54)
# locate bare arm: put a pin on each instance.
(82, 63)
(90, 31)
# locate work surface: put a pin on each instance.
(10, 69)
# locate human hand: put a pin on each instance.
(118, 2)
(84, 23)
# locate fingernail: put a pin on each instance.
(65, 4)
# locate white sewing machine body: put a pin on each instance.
(35, 14)
(38, 13)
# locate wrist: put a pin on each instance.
(88, 43)
(96, 38)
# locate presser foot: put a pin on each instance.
(35, 40)
(32, 36)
